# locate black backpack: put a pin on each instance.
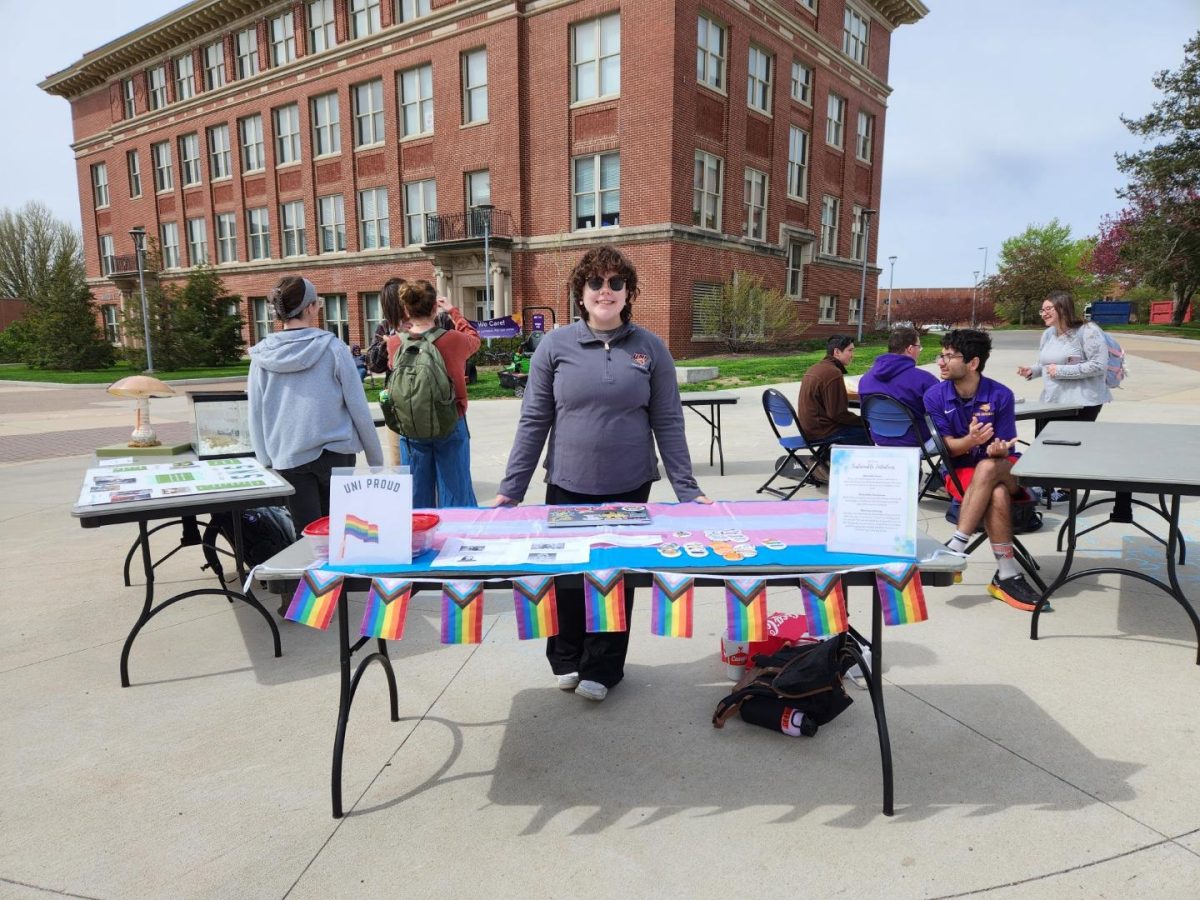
(795, 690)
(265, 531)
(377, 357)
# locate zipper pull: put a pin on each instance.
(606, 346)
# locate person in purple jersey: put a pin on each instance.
(895, 374)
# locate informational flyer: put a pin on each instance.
(465, 552)
(370, 516)
(123, 483)
(873, 500)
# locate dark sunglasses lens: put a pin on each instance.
(595, 282)
(617, 283)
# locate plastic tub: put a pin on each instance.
(424, 527)
(317, 535)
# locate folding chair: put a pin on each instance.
(887, 417)
(782, 415)
(1024, 559)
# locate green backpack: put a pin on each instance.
(419, 400)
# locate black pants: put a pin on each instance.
(598, 656)
(311, 481)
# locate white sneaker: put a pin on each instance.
(568, 682)
(592, 690)
(855, 672)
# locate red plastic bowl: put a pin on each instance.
(424, 525)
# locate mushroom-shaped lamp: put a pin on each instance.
(141, 388)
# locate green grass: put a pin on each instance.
(16, 372)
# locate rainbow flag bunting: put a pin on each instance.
(671, 605)
(387, 606)
(367, 532)
(462, 612)
(604, 600)
(824, 604)
(315, 598)
(536, 606)
(901, 594)
(746, 608)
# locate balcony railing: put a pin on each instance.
(468, 226)
(125, 264)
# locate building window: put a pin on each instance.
(799, 254)
(855, 311)
(226, 237)
(855, 35)
(372, 315)
(164, 179)
(373, 224)
(597, 191)
(758, 85)
(253, 153)
(364, 17)
(197, 235)
(368, 113)
(706, 308)
(219, 165)
(596, 58)
(754, 204)
(710, 53)
(478, 188)
(112, 323)
(129, 96)
(331, 220)
(416, 100)
(866, 132)
(326, 125)
(706, 191)
(337, 316)
(287, 134)
(797, 183)
(214, 66)
(475, 86)
(283, 39)
(407, 10)
(100, 185)
(831, 210)
(835, 122)
(106, 254)
(156, 81)
(185, 78)
(858, 236)
(420, 200)
(189, 159)
(827, 311)
(802, 80)
(245, 44)
(322, 27)
(168, 237)
(261, 310)
(134, 169)
(258, 233)
(291, 223)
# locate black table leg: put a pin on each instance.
(875, 687)
(717, 434)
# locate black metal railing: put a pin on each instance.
(125, 264)
(471, 225)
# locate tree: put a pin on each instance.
(749, 315)
(953, 312)
(1041, 259)
(190, 326)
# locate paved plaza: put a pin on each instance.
(1066, 767)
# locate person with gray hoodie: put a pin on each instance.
(308, 411)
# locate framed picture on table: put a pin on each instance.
(222, 424)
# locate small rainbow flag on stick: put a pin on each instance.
(604, 600)
(387, 605)
(824, 604)
(901, 594)
(746, 608)
(367, 532)
(315, 598)
(536, 607)
(462, 612)
(671, 605)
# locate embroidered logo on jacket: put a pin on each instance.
(641, 360)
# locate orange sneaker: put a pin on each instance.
(1016, 592)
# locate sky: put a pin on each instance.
(1002, 115)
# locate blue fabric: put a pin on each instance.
(441, 469)
(897, 376)
(993, 403)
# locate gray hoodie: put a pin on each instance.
(305, 398)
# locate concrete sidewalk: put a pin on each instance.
(1066, 766)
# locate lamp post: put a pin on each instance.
(974, 290)
(891, 283)
(485, 210)
(984, 278)
(139, 245)
(862, 296)
(985, 251)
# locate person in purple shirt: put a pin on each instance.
(976, 418)
(896, 375)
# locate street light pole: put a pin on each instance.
(985, 254)
(974, 291)
(485, 210)
(891, 283)
(862, 295)
(139, 246)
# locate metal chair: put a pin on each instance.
(782, 415)
(887, 417)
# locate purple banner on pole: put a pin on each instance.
(504, 327)
(539, 322)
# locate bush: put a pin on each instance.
(14, 342)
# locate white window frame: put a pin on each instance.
(416, 100)
(760, 67)
(594, 165)
(245, 49)
(168, 236)
(808, 4)
(258, 232)
(156, 87)
(331, 224)
(827, 309)
(710, 60)
(185, 78)
(322, 26)
(263, 317)
(133, 169)
(474, 92)
(831, 212)
(112, 322)
(372, 314)
(286, 120)
(856, 35)
(326, 124)
(291, 228)
(214, 66)
(189, 159)
(374, 220)
(100, 197)
(220, 162)
(755, 189)
(835, 121)
(253, 148)
(858, 235)
(164, 175)
(420, 200)
(407, 10)
(129, 97)
(799, 254)
(854, 311)
(368, 113)
(107, 251)
(197, 237)
(477, 187)
(864, 142)
(706, 194)
(337, 316)
(802, 82)
(226, 237)
(282, 29)
(363, 18)
(797, 171)
(595, 61)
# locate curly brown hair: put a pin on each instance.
(601, 261)
(418, 299)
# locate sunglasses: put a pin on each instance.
(615, 282)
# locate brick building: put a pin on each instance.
(354, 140)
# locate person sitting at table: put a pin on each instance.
(603, 392)
(976, 417)
(895, 374)
(823, 406)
